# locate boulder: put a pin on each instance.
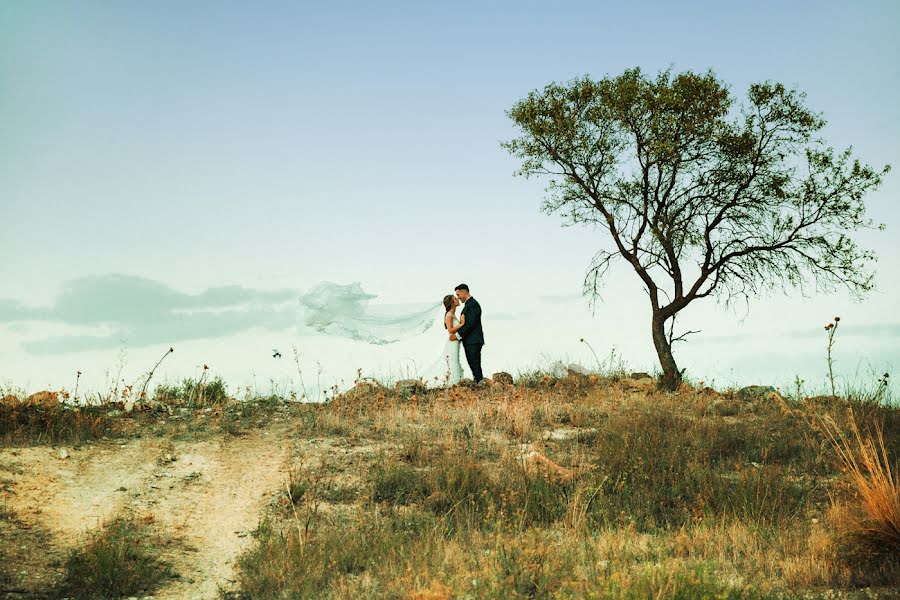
(502, 377)
(535, 462)
(725, 407)
(363, 389)
(643, 384)
(408, 387)
(638, 375)
(45, 398)
(557, 369)
(577, 370)
(755, 392)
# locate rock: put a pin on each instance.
(363, 390)
(557, 369)
(537, 462)
(576, 369)
(725, 408)
(755, 392)
(45, 398)
(643, 384)
(502, 377)
(775, 397)
(407, 387)
(63, 454)
(638, 375)
(566, 433)
(711, 392)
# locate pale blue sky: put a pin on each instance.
(275, 145)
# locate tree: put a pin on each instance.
(702, 196)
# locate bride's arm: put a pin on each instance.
(462, 321)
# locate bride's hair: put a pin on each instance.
(448, 303)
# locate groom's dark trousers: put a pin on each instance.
(472, 336)
(473, 357)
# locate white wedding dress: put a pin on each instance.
(448, 370)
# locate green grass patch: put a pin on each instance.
(118, 561)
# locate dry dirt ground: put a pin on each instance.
(204, 496)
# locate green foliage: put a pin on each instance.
(193, 392)
(701, 196)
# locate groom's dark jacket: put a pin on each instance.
(471, 333)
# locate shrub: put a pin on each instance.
(116, 562)
(23, 423)
(193, 392)
(870, 533)
(288, 564)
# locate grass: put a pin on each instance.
(868, 521)
(116, 562)
(29, 423)
(688, 495)
(700, 493)
(195, 393)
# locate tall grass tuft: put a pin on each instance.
(874, 530)
(117, 562)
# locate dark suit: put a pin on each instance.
(472, 337)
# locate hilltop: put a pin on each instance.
(574, 486)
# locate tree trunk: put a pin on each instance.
(671, 376)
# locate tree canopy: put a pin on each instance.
(700, 194)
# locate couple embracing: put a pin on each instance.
(464, 330)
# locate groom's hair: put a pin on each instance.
(461, 286)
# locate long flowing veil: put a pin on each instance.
(343, 311)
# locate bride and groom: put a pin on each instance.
(463, 330)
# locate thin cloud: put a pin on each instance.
(869, 330)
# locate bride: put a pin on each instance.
(448, 371)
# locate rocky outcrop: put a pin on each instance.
(408, 387)
(537, 463)
(502, 377)
(755, 392)
(45, 398)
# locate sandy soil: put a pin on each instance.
(206, 496)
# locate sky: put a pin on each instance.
(191, 175)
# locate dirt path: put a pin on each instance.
(206, 496)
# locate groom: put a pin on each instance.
(471, 334)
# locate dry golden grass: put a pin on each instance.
(25, 421)
(869, 522)
(636, 494)
(599, 487)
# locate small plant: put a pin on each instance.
(596, 358)
(831, 329)
(152, 371)
(798, 386)
(883, 387)
(299, 370)
(77, 380)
